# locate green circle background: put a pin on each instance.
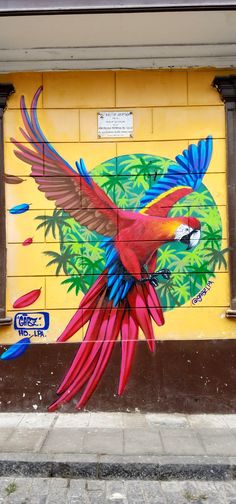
(126, 179)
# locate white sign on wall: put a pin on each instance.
(115, 124)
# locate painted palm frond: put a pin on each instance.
(166, 293)
(212, 216)
(62, 260)
(166, 255)
(129, 162)
(54, 223)
(59, 261)
(103, 168)
(77, 282)
(211, 236)
(140, 181)
(92, 266)
(199, 198)
(179, 210)
(146, 167)
(216, 257)
(182, 293)
(110, 184)
(195, 256)
(199, 277)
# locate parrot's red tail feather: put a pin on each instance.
(105, 324)
(70, 393)
(90, 298)
(153, 304)
(84, 351)
(140, 313)
(85, 310)
(112, 332)
(129, 335)
(86, 371)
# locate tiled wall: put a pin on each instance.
(171, 109)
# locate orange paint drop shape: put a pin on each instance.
(27, 299)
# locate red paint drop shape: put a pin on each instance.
(28, 241)
(27, 299)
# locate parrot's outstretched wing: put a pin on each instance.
(76, 193)
(182, 178)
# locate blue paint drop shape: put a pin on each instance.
(19, 208)
(16, 350)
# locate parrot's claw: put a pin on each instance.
(153, 281)
(153, 277)
(165, 273)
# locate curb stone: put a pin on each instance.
(128, 468)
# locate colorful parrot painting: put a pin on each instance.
(123, 298)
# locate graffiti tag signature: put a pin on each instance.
(31, 324)
(199, 297)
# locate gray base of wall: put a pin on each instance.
(182, 376)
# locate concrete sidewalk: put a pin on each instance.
(118, 445)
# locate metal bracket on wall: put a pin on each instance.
(5, 91)
(226, 86)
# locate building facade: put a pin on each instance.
(128, 255)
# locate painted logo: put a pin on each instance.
(31, 323)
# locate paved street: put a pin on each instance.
(63, 491)
(117, 458)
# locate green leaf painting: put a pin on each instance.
(126, 179)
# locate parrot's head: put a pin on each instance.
(189, 232)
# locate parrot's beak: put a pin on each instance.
(191, 239)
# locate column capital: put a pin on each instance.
(5, 91)
(226, 86)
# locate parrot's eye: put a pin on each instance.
(182, 231)
(188, 236)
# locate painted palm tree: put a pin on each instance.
(54, 223)
(201, 198)
(211, 236)
(166, 291)
(77, 282)
(199, 275)
(216, 258)
(62, 260)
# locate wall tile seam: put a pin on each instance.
(189, 307)
(139, 140)
(51, 275)
(107, 175)
(121, 141)
(56, 243)
(67, 242)
(122, 107)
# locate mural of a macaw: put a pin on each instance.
(123, 299)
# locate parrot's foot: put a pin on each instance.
(153, 277)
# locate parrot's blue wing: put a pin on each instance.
(188, 171)
(119, 281)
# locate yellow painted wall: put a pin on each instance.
(171, 109)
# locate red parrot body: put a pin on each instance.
(131, 241)
(123, 299)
